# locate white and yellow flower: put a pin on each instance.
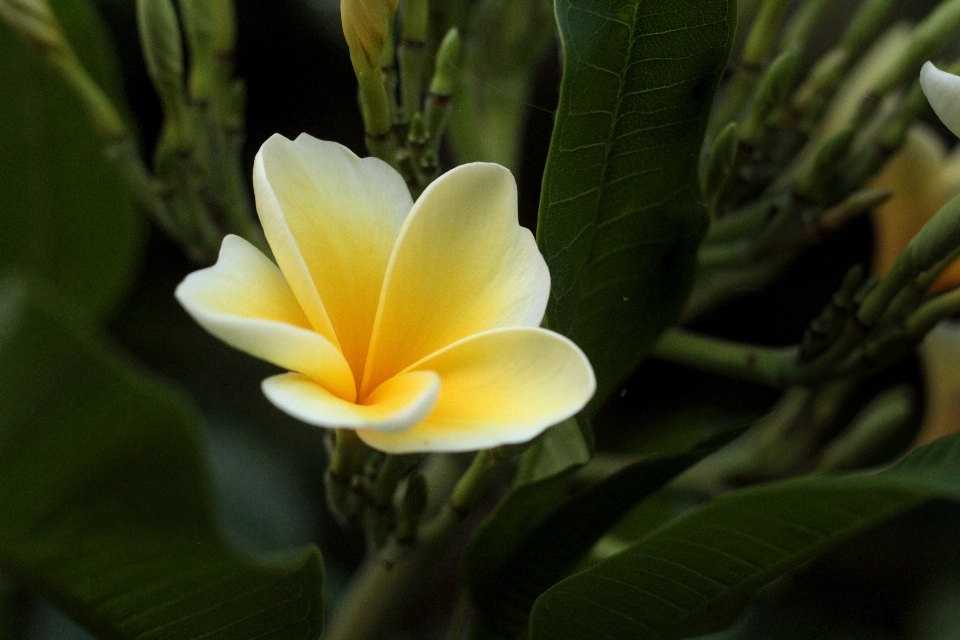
(415, 324)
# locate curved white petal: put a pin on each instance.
(244, 300)
(497, 387)
(462, 265)
(399, 404)
(332, 220)
(943, 91)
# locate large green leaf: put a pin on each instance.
(64, 214)
(620, 220)
(105, 508)
(692, 575)
(540, 530)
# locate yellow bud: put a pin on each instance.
(365, 26)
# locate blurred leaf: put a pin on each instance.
(620, 220)
(560, 449)
(11, 605)
(538, 533)
(692, 575)
(264, 504)
(64, 214)
(106, 506)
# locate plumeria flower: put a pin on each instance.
(415, 324)
(923, 176)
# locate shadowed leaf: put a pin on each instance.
(620, 220)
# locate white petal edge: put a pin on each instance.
(397, 405)
(285, 249)
(502, 386)
(943, 91)
(245, 301)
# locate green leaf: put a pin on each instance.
(539, 531)
(106, 502)
(64, 214)
(561, 449)
(620, 220)
(693, 574)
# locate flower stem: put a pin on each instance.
(765, 365)
(380, 589)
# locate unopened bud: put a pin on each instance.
(163, 52)
(448, 57)
(442, 86)
(723, 153)
(162, 48)
(827, 161)
(366, 24)
(198, 24)
(772, 93)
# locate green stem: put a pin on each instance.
(764, 365)
(929, 314)
(763, 33)
(381, 589)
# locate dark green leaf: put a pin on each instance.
(105, 509)
(691, 575)
(64, 214)
(538, 532)
(620, 220)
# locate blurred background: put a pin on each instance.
(902, 581)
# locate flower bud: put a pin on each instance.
(163, 52)
(366, 24)
(162, 48)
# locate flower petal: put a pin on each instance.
(462, 265)
(332, 220)
(398, 404)
(244, 300)
(943, 91)
(498, 387)
(922, 178)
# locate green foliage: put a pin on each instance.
(692, 575)
(107, 509)
(541, 529)
(561, 449)
(620, 220)
(64, 213)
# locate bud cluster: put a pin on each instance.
(403, 126)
